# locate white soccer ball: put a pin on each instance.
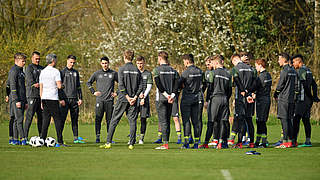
(32, 140)
(50, 142)
(38, 142)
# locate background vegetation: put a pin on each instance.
(90, 29)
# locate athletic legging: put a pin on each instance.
(143, 125)
(296, 126)
(261, 127)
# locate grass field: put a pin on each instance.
(87, 161)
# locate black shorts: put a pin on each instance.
(285, 110)
(262, 109)
(219, 109)
(175, 108)
(303, 108)
(145, 109)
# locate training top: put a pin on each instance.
(130, 81)
(32, 77)
(48, 78)
(264, 83)
(16, 84)
(305, 82)
(220, 83)
(71, 82)
(166, 79)
(287, 85)
(146, 79)
(191, 80)
(244, 78)
(104, 83)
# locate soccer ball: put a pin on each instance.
(50, 142)
(38, 142)
(32, 140)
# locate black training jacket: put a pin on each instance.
(71, 81)
(32, 77)
(16, 83)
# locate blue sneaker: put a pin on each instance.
(245, 143)
(158, 141)
(190, 140)
(57, 145)
(195, 146)
(179, 141)
(24, 142)
(80, 138)
(185, 146)
(199, 142)
(277, 143)
(15, 142)
(98, 140)
(11, 141)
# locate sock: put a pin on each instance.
(179, 134)
(308, 140)
(220, 141)
(258, 138)
(186, 140)
(141, 137)
(264, 138)
(159, 135)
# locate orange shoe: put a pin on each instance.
(204, 146)
(164, 146)
(238, 146)
(231, 142)
(251, 145)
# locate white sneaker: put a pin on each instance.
(141, 141)
(129, 142)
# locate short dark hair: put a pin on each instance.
(35, 52)
(19, 55)
(298, 56)
(128, 54)
(188, 57)
(104, 58)
(164, 55)
(285, 55)
(235, 55)
(262, 62)
(140, 58)
(72, 57)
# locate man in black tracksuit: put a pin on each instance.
(243, 77)
(285, 95)
(263, 101)
(304, 100)
(72, 95)
(105, 79)
(166, 79)
(130, 87)
(219, 92)
(191, 83)
(17, 97)
(33, 93)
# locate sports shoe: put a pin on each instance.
(78, 141)
(113, 142)
(231, 142)
(158, 141)
(277, 143)
(105, 146)
(262, 145)
(213, 143)
(11, 141)
(195, 146)
(190, 140)
(306, 144)
(164, 146)
(80, 138)
(284, 145)
(57, 145)
(98, 140)
(238, 146)
(15, 142)
(141, 141)
(219, 146)
(245, 143)
(204, 146)
(251, 145)
(179, 141)
(24, 142)
(131, 147)
(185, 146)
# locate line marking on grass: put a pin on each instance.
(226, 174)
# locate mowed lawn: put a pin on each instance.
(87, 161)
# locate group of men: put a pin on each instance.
(47, 92)
(51, 92)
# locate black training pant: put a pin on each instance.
(72, 105)
(11, 121)
(34, 106)
(103, 107)
(201, 104)
(18, 120)
(132, 114)
(285, 113)
(51, 109)
(302, 111)
(164, 114)
(190, 111)
(261, 127)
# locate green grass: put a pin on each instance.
(87, 161)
